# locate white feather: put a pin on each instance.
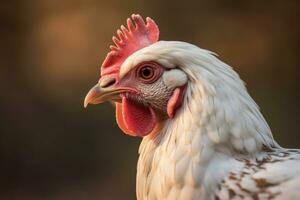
(174, 78)
(215, 146)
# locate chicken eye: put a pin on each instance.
(147, 72)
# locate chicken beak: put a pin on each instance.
(98, 94)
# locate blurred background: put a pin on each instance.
(51, 50)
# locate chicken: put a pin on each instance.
(203, 135)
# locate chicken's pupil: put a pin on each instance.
(147, 72)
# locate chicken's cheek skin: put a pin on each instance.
(135, 119)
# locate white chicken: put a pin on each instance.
(203, 135)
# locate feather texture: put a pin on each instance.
(218, 145)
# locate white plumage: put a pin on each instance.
(218, 145)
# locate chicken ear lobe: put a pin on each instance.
(175, 101)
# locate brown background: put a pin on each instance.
(51, 50)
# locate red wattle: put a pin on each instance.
(135, 119)
(120, 120)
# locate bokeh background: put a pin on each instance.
(51, 50)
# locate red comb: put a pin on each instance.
(137, 35)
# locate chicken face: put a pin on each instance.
(146, 79)
(145, 97)
(146, 92)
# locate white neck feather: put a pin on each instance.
(216, 102)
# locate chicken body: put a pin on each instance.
(268, 175)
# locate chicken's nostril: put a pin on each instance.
(106, 82)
